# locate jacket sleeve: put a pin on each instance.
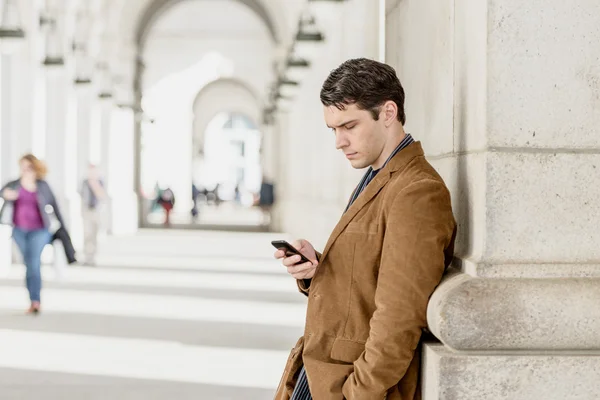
(304, 284)
(9, 185)
(419, 227)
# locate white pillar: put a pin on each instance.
(10, 156)
(105, 107)
(56, 133)
(18, 114)
(59, 150)
(269, 152)
(79, 122)
(7, 141)
(121, 172)
(84, 121)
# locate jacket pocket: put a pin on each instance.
(290, 373)
(346, 350)
(362, 227)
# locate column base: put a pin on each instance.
(469, 313)
(557, 375)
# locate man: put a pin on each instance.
(92, 193)
(368, 290)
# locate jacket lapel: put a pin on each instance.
(363, 199)
(398, 162)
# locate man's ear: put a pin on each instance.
(390, 113)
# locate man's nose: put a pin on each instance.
(341, 141)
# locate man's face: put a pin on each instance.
(357, 134)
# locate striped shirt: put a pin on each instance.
(301, 391)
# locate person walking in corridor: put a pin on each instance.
(92, 194)
(369, 288)
(30, 206)
(166, 200)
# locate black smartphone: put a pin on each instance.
(289, 250)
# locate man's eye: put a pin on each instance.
(350, 127)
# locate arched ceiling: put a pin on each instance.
(121, 28)
(192, 30)
(155, 8)
(130, 20)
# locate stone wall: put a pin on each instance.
(504, 96)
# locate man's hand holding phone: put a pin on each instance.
(296, 267)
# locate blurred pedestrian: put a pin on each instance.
(31, 208)
(92, 194)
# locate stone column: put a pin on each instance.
(9, 161)
(8, 168)
(121, 172)
(79, 121)
(83, 121)
(60, 150)
(105, 107)
(58, 139)
(268, 151)
(508, 112)
(17, 84)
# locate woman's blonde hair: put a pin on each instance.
(38, 165)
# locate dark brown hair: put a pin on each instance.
(38, 166)
(366, 83)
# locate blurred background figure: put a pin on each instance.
(266, 200)
(166, 200)
(92, 194)
(195, 194)
(30, 206)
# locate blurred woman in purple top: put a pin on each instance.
(30, 206)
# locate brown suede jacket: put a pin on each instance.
(368, 298)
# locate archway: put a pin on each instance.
(216, 66)
(156, 8)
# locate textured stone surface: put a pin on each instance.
(420, 47)
(517, 376)
(538, 210)
(468, 313)
(543, 73)
(542, 208)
